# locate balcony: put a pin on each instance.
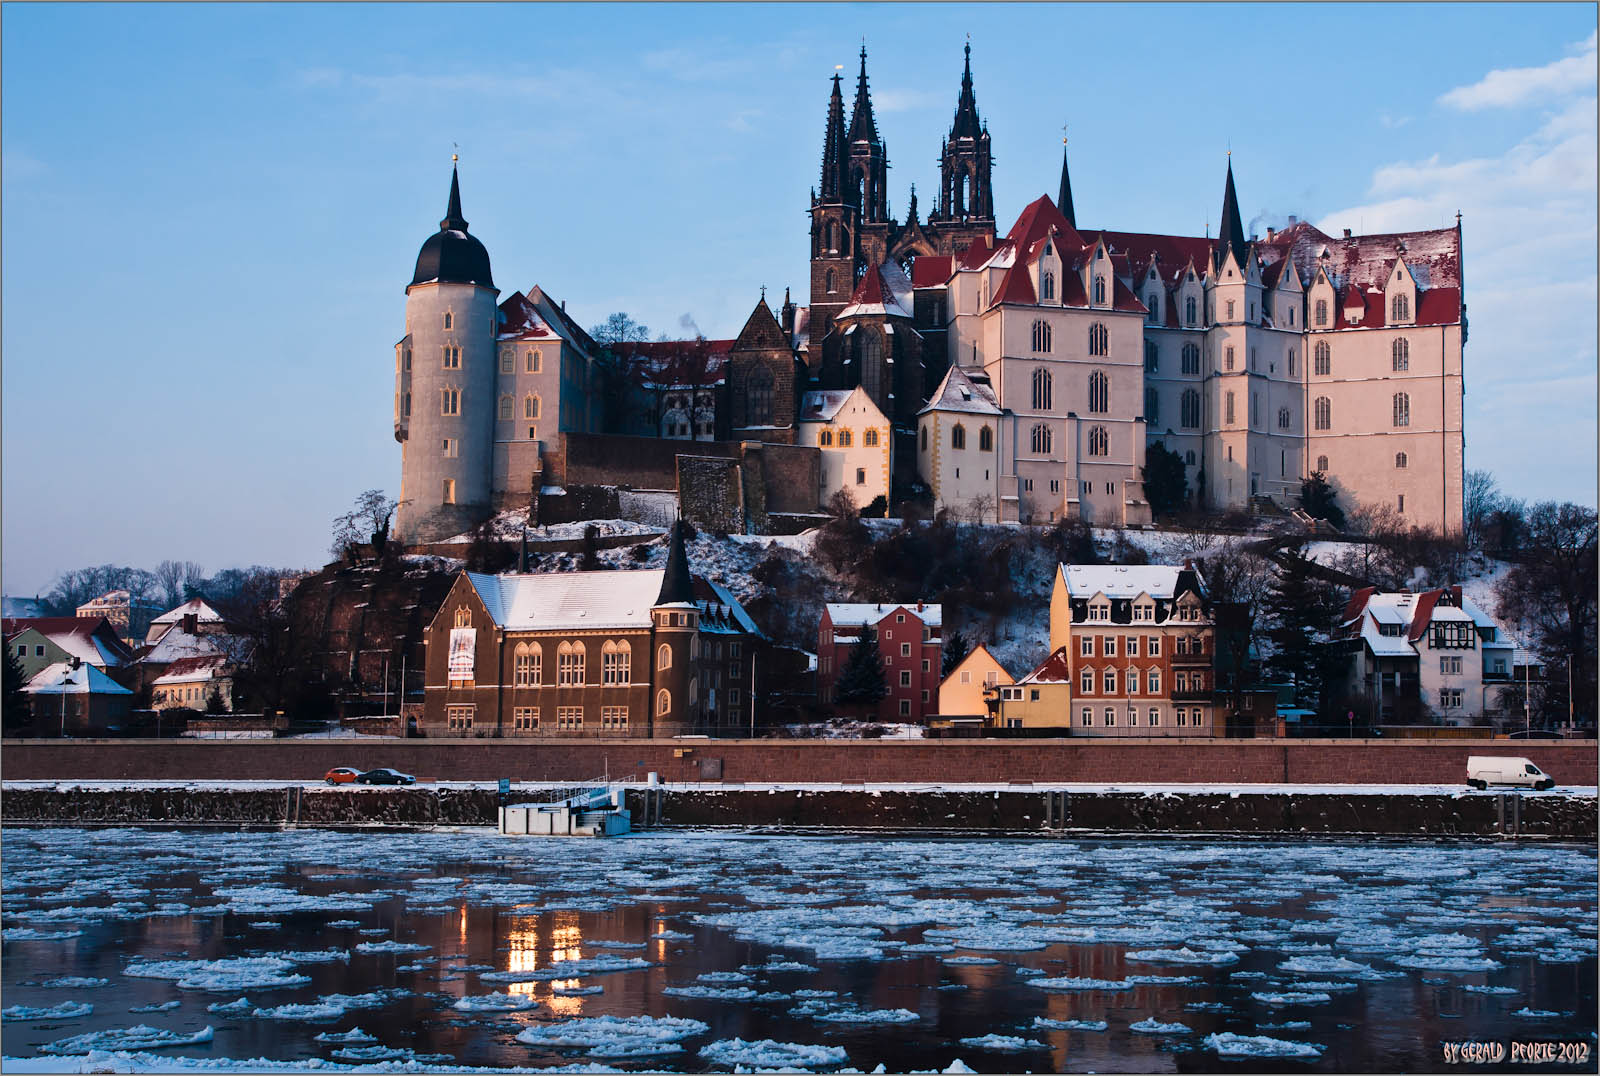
(1191, 659)
(1192, 694)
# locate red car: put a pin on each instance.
(341, 775)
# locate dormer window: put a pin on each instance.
(1099, 253)
(1100, 611)
(1401, 308)
(1048, 286)
(1099, 289)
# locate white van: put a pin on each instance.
(1486, 770)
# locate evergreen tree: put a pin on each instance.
(861, 680)
(956, 648)
(215, 703)
(1301, 612)
(1166, 486)
(16, 710)
(1319, 501)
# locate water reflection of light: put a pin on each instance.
(463, 925)
(565, 1006)
(524, 956)
(566, 937)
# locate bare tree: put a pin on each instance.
(368, 521)
(173, 577)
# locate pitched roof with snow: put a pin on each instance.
(884, 290)
(1055, 669)
(968, 392)
(178, 644)
(1121, 580)
(63, 679)
(203, 613)
(855, 613)
(822, 405)
(720, 611)
(558, 601)
(193, 670)
(89, 639)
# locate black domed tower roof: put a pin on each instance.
(450, 255)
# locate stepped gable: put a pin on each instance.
(761, 331)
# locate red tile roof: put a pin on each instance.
(1424, 614)
(932, 270)
(1055, 669)
(1035, 222)
(1017, 287)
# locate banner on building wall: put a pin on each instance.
(463, 652)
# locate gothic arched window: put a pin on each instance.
(1191, 359)
(1189, 417)
(1099, 393)
(1322, 464)
(1099, 339)
(1048, 285)
(1040, 440)
(1099, 289)
(663, 656)
(1402, 409)
(1401, 308)
(1322, 313)
(1284, 418)
(663, 703)
(1099, 441)
(1152, 407)
(1152, 357)
(1189, 311)
(985, 439)
(1041, 389)
(506, 405)
(1041, 337)
(1323, 412)
(1322, 359)
(1400, 353)
(616, 663)
(759, 397)
(871, 352)
(529, 658)
(958, 436)
(1400, 460)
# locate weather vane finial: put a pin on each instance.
(763, 293)
(1063, 134)
(455, 154)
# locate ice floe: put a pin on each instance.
(222, 976)
(1152, 1026)
(868, 1016)
(767, 1054)
(1044, 1023)
(162, 1006)
(1071, 983)
(67, 1010)
(140, 1037)
(354, 1035)
(1228, 1044)
(616, 1036)
(1009, 1044)
(495, 1003)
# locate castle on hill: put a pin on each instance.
(1023, 375)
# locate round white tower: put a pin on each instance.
(445, 384)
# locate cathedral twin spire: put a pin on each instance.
(1230, 234)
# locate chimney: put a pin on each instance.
(1347, 233)
(1293, 220)
(919, 607)
(1271, 234)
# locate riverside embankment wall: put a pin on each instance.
(1437, 762)
(1014, 812)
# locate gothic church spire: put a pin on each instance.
(833, 147)
(863, 128)
(967, 124)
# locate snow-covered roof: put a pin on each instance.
(178, 644)
(1121, 580)
(821, 406)
(203, 613)
(192, 671)
(720, 611)
(884, 290)
(1055, 669)
(854, 613)
(965, 392)
(81, 637)
(554, 601)
(1385, 646)
(63, 679)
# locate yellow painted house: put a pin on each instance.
(1040, 700)
(961, 693)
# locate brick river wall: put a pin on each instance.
(939, 761)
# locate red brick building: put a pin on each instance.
(910, 641)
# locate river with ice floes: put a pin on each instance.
(166, 950)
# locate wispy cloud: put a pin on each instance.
(1393, 122)
(890, 99)
(1529, 233)
(1512, 86)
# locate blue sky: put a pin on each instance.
(211, 212)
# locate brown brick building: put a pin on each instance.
(644, 653)
(1142, 642)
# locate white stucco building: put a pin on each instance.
(855, 440)
(1259, 361)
